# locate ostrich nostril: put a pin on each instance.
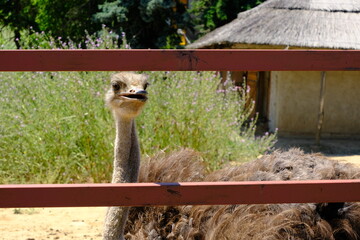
(132, 90)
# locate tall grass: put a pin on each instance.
(186, 109)
(54, 127)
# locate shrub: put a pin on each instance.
(186, 109)
(54, 128)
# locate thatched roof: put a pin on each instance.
(297, 23)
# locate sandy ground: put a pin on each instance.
(355, 159)
(51, 223)
(66, 223)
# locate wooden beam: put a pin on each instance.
(194, 193)
(179, 60)
(321, 108)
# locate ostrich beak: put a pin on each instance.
(138, 95)
(142, 92)
(141, 95)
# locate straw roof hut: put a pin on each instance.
(300, 23)
(289, 101)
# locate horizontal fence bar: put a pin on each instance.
(179, 60)
(192, 193)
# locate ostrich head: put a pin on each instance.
(127, 95)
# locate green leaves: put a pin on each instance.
(67, 19)
(147, 23)
(211, 14)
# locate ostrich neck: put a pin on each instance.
(126, 169)
(126, 152)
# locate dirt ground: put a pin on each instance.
(72, 223)
(51, 223)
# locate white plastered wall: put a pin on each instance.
(294, 103)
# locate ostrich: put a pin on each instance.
(333, 221)
(126, 98)
(329, 221)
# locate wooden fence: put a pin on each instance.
(199, 193)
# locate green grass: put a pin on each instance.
(186, 109)
(55, 127)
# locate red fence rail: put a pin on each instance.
(179, 60)
(205, 193)
(76, 195)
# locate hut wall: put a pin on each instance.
(294, 103)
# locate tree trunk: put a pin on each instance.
(17, 38)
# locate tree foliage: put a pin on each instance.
(67, 19)
(17, 14)
(210, 14)
(147, 23)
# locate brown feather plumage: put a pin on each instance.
(333, 221)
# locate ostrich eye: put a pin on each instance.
(115, 86)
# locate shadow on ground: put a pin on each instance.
(329, 147)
